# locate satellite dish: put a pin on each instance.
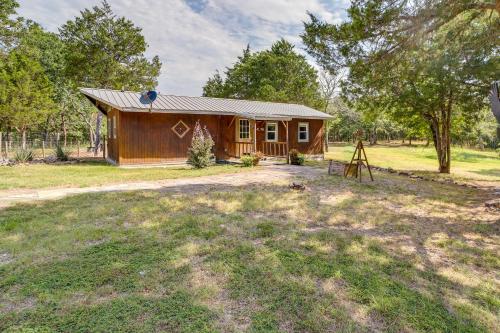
(148, 97)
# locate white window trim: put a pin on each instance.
(276, 131)
(238, 132)
(114, 127)
(307, 132)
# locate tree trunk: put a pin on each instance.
(23, 143)
(372, 136)
(91, 136)
(409, 141)
(97, 132)
(440, 129)
(64, 129)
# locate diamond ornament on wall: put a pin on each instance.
(180, 129)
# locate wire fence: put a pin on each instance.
(44, 146)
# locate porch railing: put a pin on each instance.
(241, 148)
(278, 149)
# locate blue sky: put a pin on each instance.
(193, 38)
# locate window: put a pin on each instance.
(114, 127)
(271, 131)
(303, 132)
(244, 129)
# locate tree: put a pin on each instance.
(214, 86)
(7, 24)
(106, 51)
(26, 92)
(277, 75)
(328, 84)
(407, 58)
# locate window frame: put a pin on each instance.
(114, 127)
(306, 125)
(238, 130)
(276, 131)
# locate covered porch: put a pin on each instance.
(268, 135)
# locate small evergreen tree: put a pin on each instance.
(200, 153)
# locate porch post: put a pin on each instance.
(254, 135)
(287, 145)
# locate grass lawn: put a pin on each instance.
(395, 255)
(465, 163)
(92, 173)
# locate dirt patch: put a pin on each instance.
(233, 314)
(5, 259)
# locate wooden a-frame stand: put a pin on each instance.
(354, 168)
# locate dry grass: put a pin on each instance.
(395, 255)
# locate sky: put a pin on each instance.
(194, 38)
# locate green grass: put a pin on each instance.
(393, 255)
(465, 163)
(92, 173)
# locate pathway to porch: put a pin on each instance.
(267, 174)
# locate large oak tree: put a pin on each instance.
(106, 51)
(276, 75)
(413, 58)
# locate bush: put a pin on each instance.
(252, 159)
(257, 157)
(296, 158)
(24, 155)
(247, 160)
(200, 153)
(62, 154)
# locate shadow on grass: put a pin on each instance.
(134, 278)
(488, 172)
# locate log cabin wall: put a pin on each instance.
(151, 138)
(148, 138)
(316, 136)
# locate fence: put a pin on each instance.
(44, 146)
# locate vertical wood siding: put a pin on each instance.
(148, 137)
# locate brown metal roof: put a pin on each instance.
(129, 102)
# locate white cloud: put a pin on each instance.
(194, 40)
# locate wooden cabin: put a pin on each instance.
(161, 133)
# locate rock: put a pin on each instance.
(6, 162)
(295, 186)
(495, 204)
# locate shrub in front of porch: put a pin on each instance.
(247, 160)
(200, 153)
(252, 159)
(296, 158)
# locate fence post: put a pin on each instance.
(43, 148)
(78, 148)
